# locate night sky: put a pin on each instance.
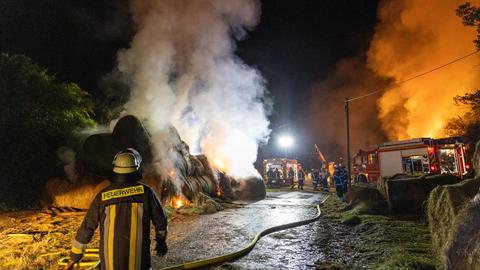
(296, 45)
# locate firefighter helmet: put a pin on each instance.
(127, 161)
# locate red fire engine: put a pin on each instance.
(413, 157)
(281, 165)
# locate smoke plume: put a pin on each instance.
(413, 36)
(183, 72)
(351, 78)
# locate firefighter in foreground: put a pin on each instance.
(124, 211)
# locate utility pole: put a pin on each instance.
(347, 129)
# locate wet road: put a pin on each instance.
(197, 237)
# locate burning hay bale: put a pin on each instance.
(408, 195)
(190, 176)
(367, 199)
(454, 221)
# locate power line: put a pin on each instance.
(414, 77)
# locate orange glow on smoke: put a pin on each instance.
(414, 36)
(219, 165)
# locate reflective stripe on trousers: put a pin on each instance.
(136, 234)
(108, 236)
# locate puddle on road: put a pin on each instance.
(230, 230)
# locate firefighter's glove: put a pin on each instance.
(76, 257)
(161, 247)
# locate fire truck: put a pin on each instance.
(413, 157)
(283, 165)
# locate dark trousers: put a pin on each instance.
(339, 189)
(300, 183)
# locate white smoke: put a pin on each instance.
(184, 72)
(67, 156)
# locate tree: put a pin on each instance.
(471, 17)
(467, 125)
(37, 116)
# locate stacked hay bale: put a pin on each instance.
(454, 220)
(95, 165)
(408, 195)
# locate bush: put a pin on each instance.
(37, 116)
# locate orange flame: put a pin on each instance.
(179, 201)
(409, 41)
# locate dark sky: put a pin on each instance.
(296, 45)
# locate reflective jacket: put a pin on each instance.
(124, 212)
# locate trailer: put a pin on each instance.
(414, 157)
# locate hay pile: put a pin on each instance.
(408, 195)
(367, 199)
(78, 194)
(454, 221)
(95, 165)
(476, 159)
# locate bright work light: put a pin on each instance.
(285, 141)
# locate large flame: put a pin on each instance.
(414, 36)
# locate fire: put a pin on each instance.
(408, 41)
(219, 164)
(179, 201)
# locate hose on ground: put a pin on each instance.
(242, 252)
(213, 260)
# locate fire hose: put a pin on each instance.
(213, 260)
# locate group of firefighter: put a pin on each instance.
(319, 178)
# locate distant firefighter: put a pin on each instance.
(124, 211)
(315, 178)
(324, 178)
(270, 176)
(291, 177)
(338, 179)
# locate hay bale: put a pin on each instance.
(463, 251)
(130, 132)
(445, 206)
(99, 149)
(368, 198)
(382, 186)
(476, 160)
(97, 154)
(408, 195)
(249, 189)
(80, 194)
(197, 165)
